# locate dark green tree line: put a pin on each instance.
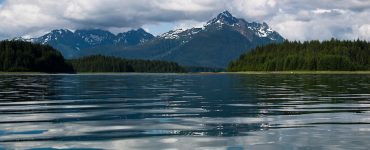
(28, 57)
(333, 55)
(99, 63)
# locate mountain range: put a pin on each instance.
(221, 40)
(70, 44)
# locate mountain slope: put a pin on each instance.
(223, 39)
(71, 44)
(220, 41)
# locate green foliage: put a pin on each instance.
(99, 63)
(19, 56)
(333, 55)
(27, 57)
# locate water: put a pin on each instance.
(169, 111)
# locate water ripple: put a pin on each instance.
(172, 110)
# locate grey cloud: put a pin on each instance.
(321, 19)
(295, 20)
(22, 17)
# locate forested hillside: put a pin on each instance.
(99, 63)
(333, 55)
(18, 56)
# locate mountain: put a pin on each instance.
(221, 40)
(70, 44)
(133, 37)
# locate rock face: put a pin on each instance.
(221, 40)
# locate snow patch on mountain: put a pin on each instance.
(180, 34)
(93, 39)
(224, 19)
(80, 39)
(173, 34)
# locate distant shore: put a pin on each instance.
(299, 72)
(21, 73)
(246, 72)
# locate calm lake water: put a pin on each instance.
(169, 111)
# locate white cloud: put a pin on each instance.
(21, 17)
(364, 31)
(188, 24)
(184, 5)
(295, 20)
(255, 9)
(319, 20)
(293, 29)
(321, 11)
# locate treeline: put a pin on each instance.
(333, 55)
(19, 56)
(99, 63)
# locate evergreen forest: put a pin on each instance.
(19, 56)
(333, 55)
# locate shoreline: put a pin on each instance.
(299, 72)
(190, 73)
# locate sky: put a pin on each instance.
(293, 19)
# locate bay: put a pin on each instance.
(185, 111)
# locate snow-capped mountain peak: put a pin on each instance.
(226, 19)
(60, 31)
(95, 36)
(226, 14)
(223, 18)
(70, 43)
(54, 35)
(91, 37)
